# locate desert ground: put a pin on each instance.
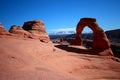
(29, 59)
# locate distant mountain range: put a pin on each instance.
(63, 32)
(113, 35)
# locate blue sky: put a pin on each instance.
(60, 14)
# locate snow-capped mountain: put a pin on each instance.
(63, 32)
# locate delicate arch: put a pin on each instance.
(100, 40)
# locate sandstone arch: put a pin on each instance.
(100, 40)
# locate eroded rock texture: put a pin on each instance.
(2, 30)
(30, 30)
(19, 31)
(37, 29)
(100, 40)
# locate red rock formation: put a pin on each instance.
(100, 40)
(37, 29)
(2, 30)
(19, 31)
(31, 29)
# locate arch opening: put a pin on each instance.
(87, 37)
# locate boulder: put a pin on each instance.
(100, 40)
(37, 29)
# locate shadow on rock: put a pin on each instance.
(78, 50)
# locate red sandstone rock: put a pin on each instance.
(31, 29)
(37, 29)
(2, 30)
(19, 31)
(33, 60)
(100, 40)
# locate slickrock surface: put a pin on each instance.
(26, 53)
(34, 60)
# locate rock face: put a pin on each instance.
(2, 30)
(30, 30)
(37, 29)
(19, 31)
(100, 40)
